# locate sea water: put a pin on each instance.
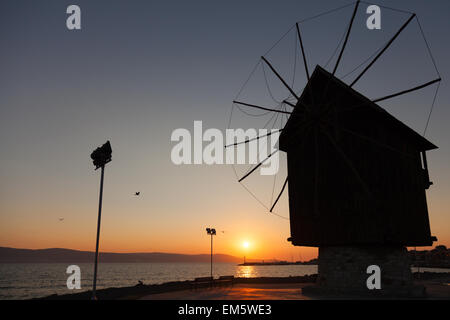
(34, 280)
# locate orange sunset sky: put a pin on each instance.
(135, 73)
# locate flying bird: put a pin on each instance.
(137, 193)
(61, 219)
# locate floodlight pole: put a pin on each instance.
(211, 232)
(211, 255)
(94, 285)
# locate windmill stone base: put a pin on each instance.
(343, 271)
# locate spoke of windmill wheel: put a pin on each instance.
(304, 106)
(346, 37)
(289, 103)
(253, 139)
(367, 102)
(407, 91)
(257, 166)
(259, 107)
(384, 49)
(279, 77)
(349, 163)
(279, 195)
(303, 50)
(325, 91)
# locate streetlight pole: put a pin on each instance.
(211, 232)
(101, 156)
(94, 285)
(211, 255)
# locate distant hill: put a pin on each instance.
(12, 255)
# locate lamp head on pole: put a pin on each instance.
(102, 155)
(211, 231)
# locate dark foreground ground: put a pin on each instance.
(289, 288)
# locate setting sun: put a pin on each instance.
(245, 244)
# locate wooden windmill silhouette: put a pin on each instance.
(357, 175)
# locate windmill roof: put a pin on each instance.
(366, 104)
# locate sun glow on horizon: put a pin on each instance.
(246, 244)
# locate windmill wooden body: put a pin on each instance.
(357, 177)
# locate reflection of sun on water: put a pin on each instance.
(247, 272)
